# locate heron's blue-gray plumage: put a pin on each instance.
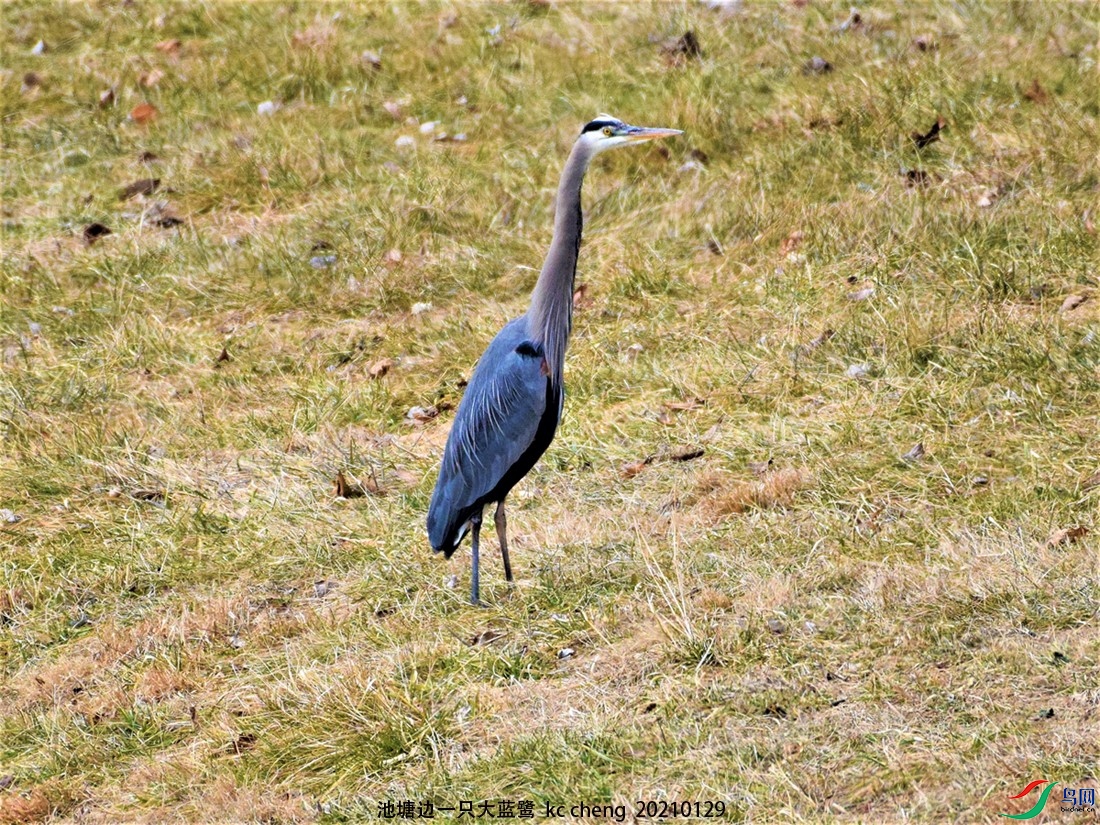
(505, 421)
(513, 403)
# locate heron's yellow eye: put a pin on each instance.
(608, 131)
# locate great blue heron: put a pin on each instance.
(512, 405)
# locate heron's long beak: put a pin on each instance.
(640, 133)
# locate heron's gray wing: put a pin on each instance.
(497, 423)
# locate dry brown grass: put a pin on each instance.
(776, 489)
(801, 619)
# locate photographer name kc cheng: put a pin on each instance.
(616, 813)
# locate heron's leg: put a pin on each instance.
(475, 590)
(502, 536)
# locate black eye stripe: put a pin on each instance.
(593, 125)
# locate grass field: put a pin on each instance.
(815, 620)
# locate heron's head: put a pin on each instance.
(607, 132)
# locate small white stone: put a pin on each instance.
(267, 108)
(429, 127)
(859, 371)
(405, 142)
(420, 308)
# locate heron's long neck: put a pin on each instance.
(550, 317)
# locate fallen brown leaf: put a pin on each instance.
(918, 177)
(380, 368)
(486, 637)
(791, 242)
(686, 453)
(222, 356)
(761, 467)
(810, 346)
(1067, 535)
(421, 414)
(406, 477)
(914, 454)
(632, 468)
(682, 453)
(817, 65)
(145, 186)
(580, 297)
(147, 494)
(687, 45)
(1072, 302)
(854, 21)
(316, 37)
(931, 136)
(143, 113)
(861, 294)
(165, 221)
(168, 46)
(1092, 482)
(106, 98)
(1036, 93)
(690, 404)
(151, 78)
(94, 231)
(244, 742)
(349, 488)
